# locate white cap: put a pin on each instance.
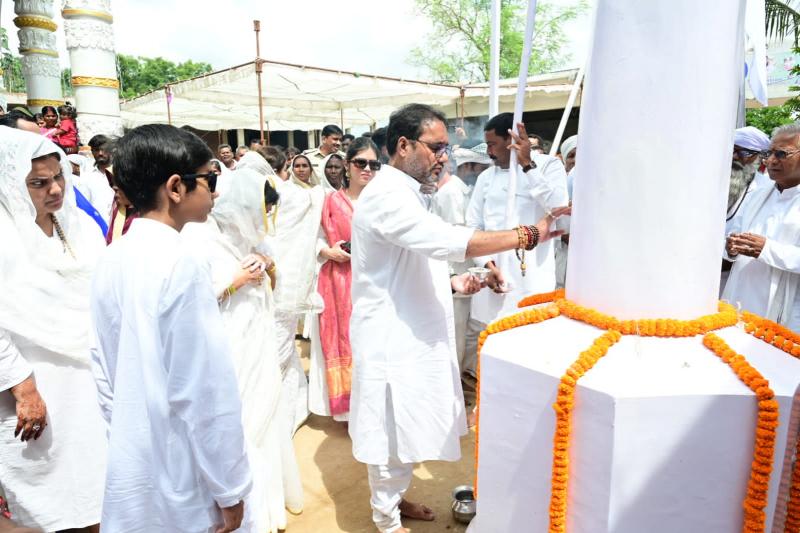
(476, 154)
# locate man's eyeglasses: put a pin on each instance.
(780, 155)
(438, 149)
(211, 178)
(361, 163)
(744, 153)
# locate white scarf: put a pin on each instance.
(44, 291)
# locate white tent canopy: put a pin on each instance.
(295, 97)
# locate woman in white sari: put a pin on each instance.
(243, 280)
(295, 246)
(52, 435)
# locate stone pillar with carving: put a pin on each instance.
(37, 44)
(90, 41)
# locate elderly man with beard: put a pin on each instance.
(764, 238)
(406, 403)
(748, 143)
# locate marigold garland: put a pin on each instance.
(565, 403)
(772, 333)
(545, 297)
(788, 341)
(761, 468)
(758, 486)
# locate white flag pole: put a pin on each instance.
(511, 217)
(494, 60)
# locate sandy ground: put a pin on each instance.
(336, 489)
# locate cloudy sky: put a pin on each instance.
(370, 36)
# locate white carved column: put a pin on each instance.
(37, 44)
(90, 41)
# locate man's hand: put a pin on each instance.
(231, 518)
(465, 283)
(748, 244)
(31, 410)
(522, 145)
(496, 280)
(545, 233)
(730, 245)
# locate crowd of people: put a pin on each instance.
(152, 295)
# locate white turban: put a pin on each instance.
(569, 145)
(751, 138)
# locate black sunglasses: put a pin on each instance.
(361, 163)
(780, 155)
(211, 178)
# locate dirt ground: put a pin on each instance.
(336, 489)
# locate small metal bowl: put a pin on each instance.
(464, 506)
(480, 272)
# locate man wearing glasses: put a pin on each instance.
(407, 404)
(764, 237)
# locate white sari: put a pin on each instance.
(235, 228)
(55, 482)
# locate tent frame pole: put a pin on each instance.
(259, 68)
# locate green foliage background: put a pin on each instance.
(458, 48)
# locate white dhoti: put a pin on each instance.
(388, 483)
(294, 387)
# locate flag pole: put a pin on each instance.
(519, 104)
(494, 61)
(257, 29)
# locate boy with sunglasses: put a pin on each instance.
(165, 378)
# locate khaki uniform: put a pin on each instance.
(316, 157)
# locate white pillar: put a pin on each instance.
(90, 41)
(290, 138)
(239, 138)
(37, 44)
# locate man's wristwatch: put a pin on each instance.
(527, 168)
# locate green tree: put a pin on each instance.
(458, 48)
(11, 66)
(139, 75)
(768, 118)
(783, 19)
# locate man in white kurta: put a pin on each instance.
(541, 187)
(406, 404)
(764, 239)
(163, 369)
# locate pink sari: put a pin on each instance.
(334, 321)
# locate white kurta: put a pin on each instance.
(540, 190)
(55, 482)
(401, 328)
(768, 285)
(167, 387)
(450, 203)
